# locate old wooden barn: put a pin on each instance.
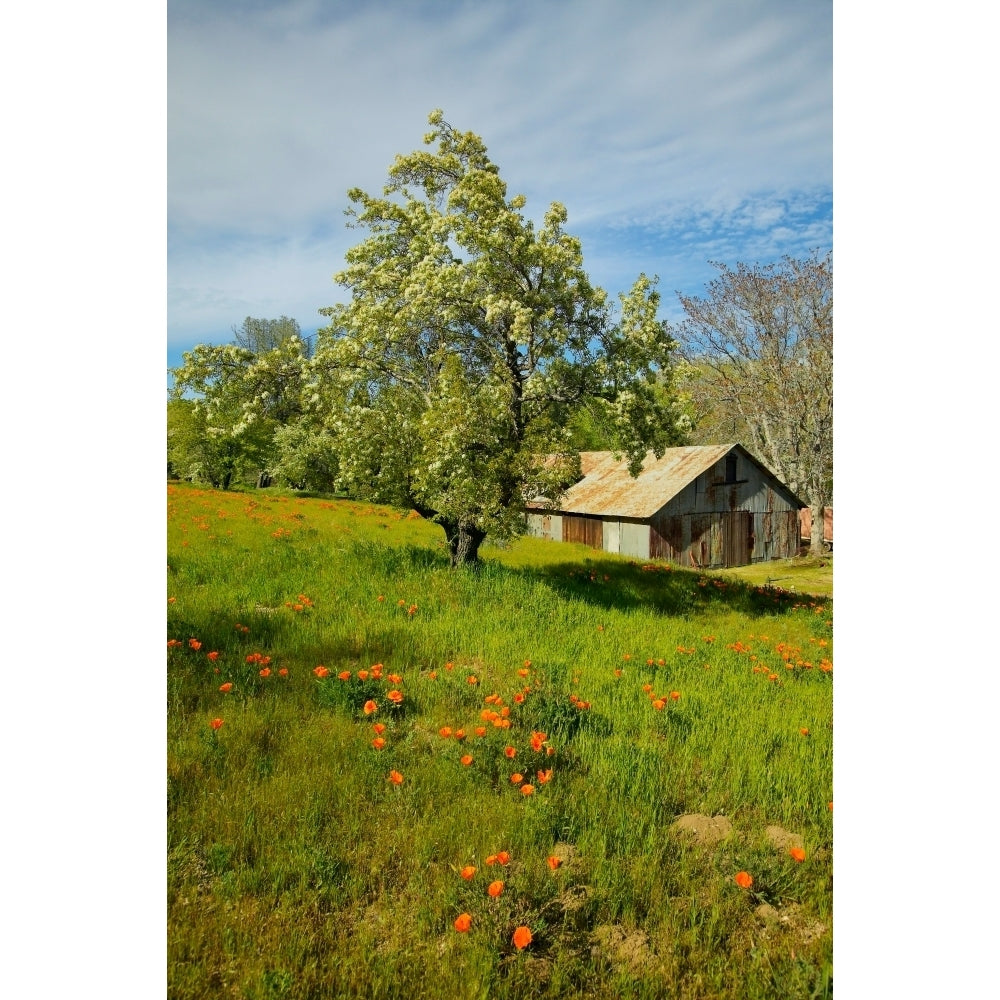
(709, 506)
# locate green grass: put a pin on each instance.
(296, 869)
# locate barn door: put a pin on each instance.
(737, 537)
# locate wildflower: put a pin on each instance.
(378, 742)
(553, 861)
(460, 735)
(396, 697)
(449, 666)
(804, 731)
(379, 728)
(171, 600)
(444, 732)
(527, 789)
(433, 675)
(266, 672)
(537, 739)
(226, 688)
(522, 938)
(320, 671)
(647, 688)
(509, 752)
(380, 598)
(544, 776)
(344, 675)
(527, 663)
(659, 704)
(491, 861)
(173, 642)
(395, 777)
(463, 922)
(743, 880)
(518, 698)
(194, 644)
(473, 679)
(495, 888)
(216, 724)
(393, 678)
(480, 730)
(283, 672)
(369, 707)
(675, 695)
(468, 872)
(503, 858)
(213, 656)
(362, 675)
(798, 854)
(516, 779)
(466, 760)
(523, 673)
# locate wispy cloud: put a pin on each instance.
(674, 133)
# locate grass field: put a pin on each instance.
(385, 776)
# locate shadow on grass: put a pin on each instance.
(657, 586)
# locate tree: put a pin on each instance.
(761, 346)
(470, 340)
(241, 394)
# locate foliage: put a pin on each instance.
(760, 346)
(470, 340)
(306, 457)
(297, 868)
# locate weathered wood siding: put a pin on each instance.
(542, 524)
(584, 529)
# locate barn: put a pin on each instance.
(707, 507)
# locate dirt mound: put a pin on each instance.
(704, 829)
(783, 839)
(626, 949)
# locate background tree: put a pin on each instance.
(760, 348)
(241, 394)
(469, 342)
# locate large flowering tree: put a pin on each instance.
(470, 340)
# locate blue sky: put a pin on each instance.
(675, 133)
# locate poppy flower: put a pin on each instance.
(659, 704)
(798, 854)
(395, 777)
(468, 872)
(473, 679)
(553, 861)
(544, 776)
(378, 742)
(283, 672)
(266, 672)
(194, 644)
(495, 888)
(369, 707)
(344, 675)
(466, 760)
(449, 666)
(491, 861)
(463, 922)
(226, 688)
(379, 728)
(393, 678)
(433, 675)
(173, 642)
(395, 696)
(444, 732)
(804, 731)
(744, 880)
(523, 673)
(480, 730)
(380, 598)
(521, 938)
(216, 724)
(527, 789)
(518, 698)
(509, 752)
(362, 675)
(503, 858)
(459, 734)
(320, 671)
(213, 656)
(675, 695)
(516, 779)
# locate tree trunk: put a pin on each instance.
(816, 511)
(226, 480)
(464, 540)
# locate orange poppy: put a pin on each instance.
(393, 678)
(480, 730)
(518, 698)
(516, 779)
(468, 872)
(463, 922)
(395, 777)
(344, 675)
(527, 789)
(798, 854)
(473, 679)
(362, 675)
(509, 752)
(226, 688)
(381, 597)
(495, 888)
(503, 858)
(213, 656)
(433, 675)
(378, 742)
(502, 723)
(395, 696)
(459, 734)
(553, 861)
(266, 672)
(216, 723)
(173, 642)
(194, 644)
(544, 776)
(444, 732)
(523, 673)
(675, 695)
(466, 760)
(491, 861)
(379, 728)
(449, 666)
(744, 880)
(522, 938)
(320, 671)
(283, 672)
(804, 731)
(659, 704)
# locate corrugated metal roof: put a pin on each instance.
(608, 489)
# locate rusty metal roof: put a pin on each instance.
(608, 489)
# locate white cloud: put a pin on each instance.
(635, 115)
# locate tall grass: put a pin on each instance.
(297, 869)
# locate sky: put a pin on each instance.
(676, 133)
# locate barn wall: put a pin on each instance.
(542, 524)
(583, 529)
